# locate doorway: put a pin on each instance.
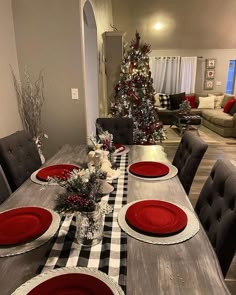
(91, 68)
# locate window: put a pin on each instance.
(231, 77)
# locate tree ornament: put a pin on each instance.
(184, 107)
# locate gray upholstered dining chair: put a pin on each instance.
(216, 209)
(19, 157)
(5, 190)
(121, 128)
(187, 158)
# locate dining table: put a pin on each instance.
(187, 267)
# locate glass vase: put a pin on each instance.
(90, 227)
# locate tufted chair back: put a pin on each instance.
(187, 158)
(121, 128)
(19, 157)
(216, 209)
(5, 190)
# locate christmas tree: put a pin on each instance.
(134, 95)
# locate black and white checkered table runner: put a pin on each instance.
(109, 256)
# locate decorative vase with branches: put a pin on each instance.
(30, 98)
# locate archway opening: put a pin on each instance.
(91, 68)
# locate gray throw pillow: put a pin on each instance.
(233, 109)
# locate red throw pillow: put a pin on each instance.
(191, 99)
(229, 105)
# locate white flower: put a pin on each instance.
(84, 174)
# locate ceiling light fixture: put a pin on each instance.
(158, 26)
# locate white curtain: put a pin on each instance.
(165, 73)
(188, 70)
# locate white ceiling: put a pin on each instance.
(187, 24)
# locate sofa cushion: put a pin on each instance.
(197, 111)
(226, 98)
(218, 100)
(224, 122)
(191, 99)
(206, 102)
(165, 101)
(176, 100)
(229, 105)
(157, 99)
(197, 95)
(218, 117)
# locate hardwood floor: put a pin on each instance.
(218, 148)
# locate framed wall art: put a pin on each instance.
(208, 84)
(210, 74)
(210, 63)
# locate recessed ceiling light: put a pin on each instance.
(158, 26)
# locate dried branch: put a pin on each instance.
(30, 98)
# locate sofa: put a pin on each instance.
(214, 116)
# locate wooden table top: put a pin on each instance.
(190, 267)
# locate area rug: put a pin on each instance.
(173, 136)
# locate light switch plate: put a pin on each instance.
(218, 83)
(74, 93)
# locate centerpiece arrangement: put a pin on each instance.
(84, 187)
(103, 140)
(101, 151)
(82, 190)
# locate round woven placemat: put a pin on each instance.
(34, 178)
(32, 283)
(190, 230)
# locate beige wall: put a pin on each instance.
(185, 23)
(9, 115)
(49, 36)
(223, 56)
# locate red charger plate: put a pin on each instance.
(119, 146)
(54, 171)
(72, 284)
(24, 224)
(156, 217)
(149, 169)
